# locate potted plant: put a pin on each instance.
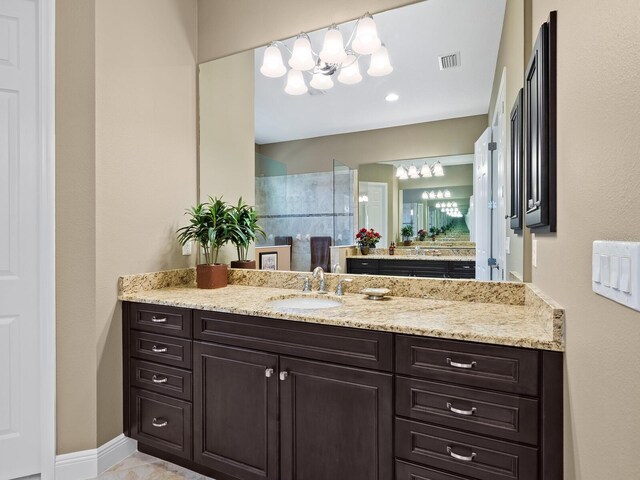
(432, 233)
(367, 239)
(407, 234)
(209, 226)
(245, 231)
(422, 234)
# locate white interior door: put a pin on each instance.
(482, 197)
(19, 233)
(375, 209)
(499, 178)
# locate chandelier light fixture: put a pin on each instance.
(433, 195)
(426, 171)
(335, 56)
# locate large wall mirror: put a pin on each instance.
(421, 146)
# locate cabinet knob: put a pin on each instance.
(460, 365)
(157, 349)
(155, 319)
(464, 458)
(268, 372)
(157, 379)
(452, 409)
(159, 422)
(284, 375)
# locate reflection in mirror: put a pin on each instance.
(327, 162)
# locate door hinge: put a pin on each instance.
(492, 146)
(492, 205)
(492, 262)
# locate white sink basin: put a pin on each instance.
(303, 303)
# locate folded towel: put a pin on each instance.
(321, 253)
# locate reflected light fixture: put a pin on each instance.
(335, 56)
(403, 172)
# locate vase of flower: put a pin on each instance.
(367, 239)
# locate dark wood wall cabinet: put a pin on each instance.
(516, 161)
(540, 130)
(239, 397)
(413, 268)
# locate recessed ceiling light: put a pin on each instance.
(392, 97)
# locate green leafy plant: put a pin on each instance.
(210, 226)
(407, 232)
(245, 229)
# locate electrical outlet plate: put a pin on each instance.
(615, 271)
(186, 249)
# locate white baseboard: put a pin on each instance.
(89, 464)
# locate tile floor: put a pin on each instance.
(145, 467)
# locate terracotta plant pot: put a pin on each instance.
(364, 250)
(211, 276)
(246, 264)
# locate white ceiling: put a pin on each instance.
(415, 36)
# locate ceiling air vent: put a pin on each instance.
(449, 61)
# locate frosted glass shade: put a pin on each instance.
(272, 65)
(380, 64)
(295, 83)
(400, 171)
(413, 171)
(425, 171)
(366, 41)
(350, 75)
(301, 57)
(333, 47)
(438, 171)
(447, 194)
(321, 82)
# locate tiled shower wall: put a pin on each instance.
(302, 206)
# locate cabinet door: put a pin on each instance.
(236, 411)
(336, 422)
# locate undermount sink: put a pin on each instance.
(303, 303)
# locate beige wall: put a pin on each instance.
(598, 178)
(511, 57)
(227, 148)
(261, 22)
(126, 170)
(432, 139)
(75, 225)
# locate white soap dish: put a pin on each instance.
(376, 293)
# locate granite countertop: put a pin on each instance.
(488, 312)
(452, 258)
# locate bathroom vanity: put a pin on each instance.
(220, 383)
(413, 266)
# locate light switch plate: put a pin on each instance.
(615, 271)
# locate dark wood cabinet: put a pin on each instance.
(413, 268)
(336, 422)
(251, 398)
(236, 411)
(540, 130)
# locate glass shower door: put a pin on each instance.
(344, 204)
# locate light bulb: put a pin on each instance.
(380, 65)
(295, 83)
(425, 171)
(272, 65)
(350, 75)
(366, 41)
(301, 56)
(438, 171)
(333, 47)
(321, 82)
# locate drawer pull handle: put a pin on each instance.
(460, 412)
(364, 264)
(157, 349)
(461, 365)
(155, 319)
(157, 379)
(159, 423)
(464, 458)
(284, 375)
(268, 372)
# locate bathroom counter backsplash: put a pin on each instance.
(430, 257)
(502, 313)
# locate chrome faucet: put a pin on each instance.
(341, 285)
(319, 272)
(336, 268)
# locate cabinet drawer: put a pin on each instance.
(498, 415)
(408, 471)
(348, 346)
(507, 369)
(161, 319)
(159, 348)
(464, 454)
(462, 269)
(356, 265)
(161, 422)
(161, 379)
